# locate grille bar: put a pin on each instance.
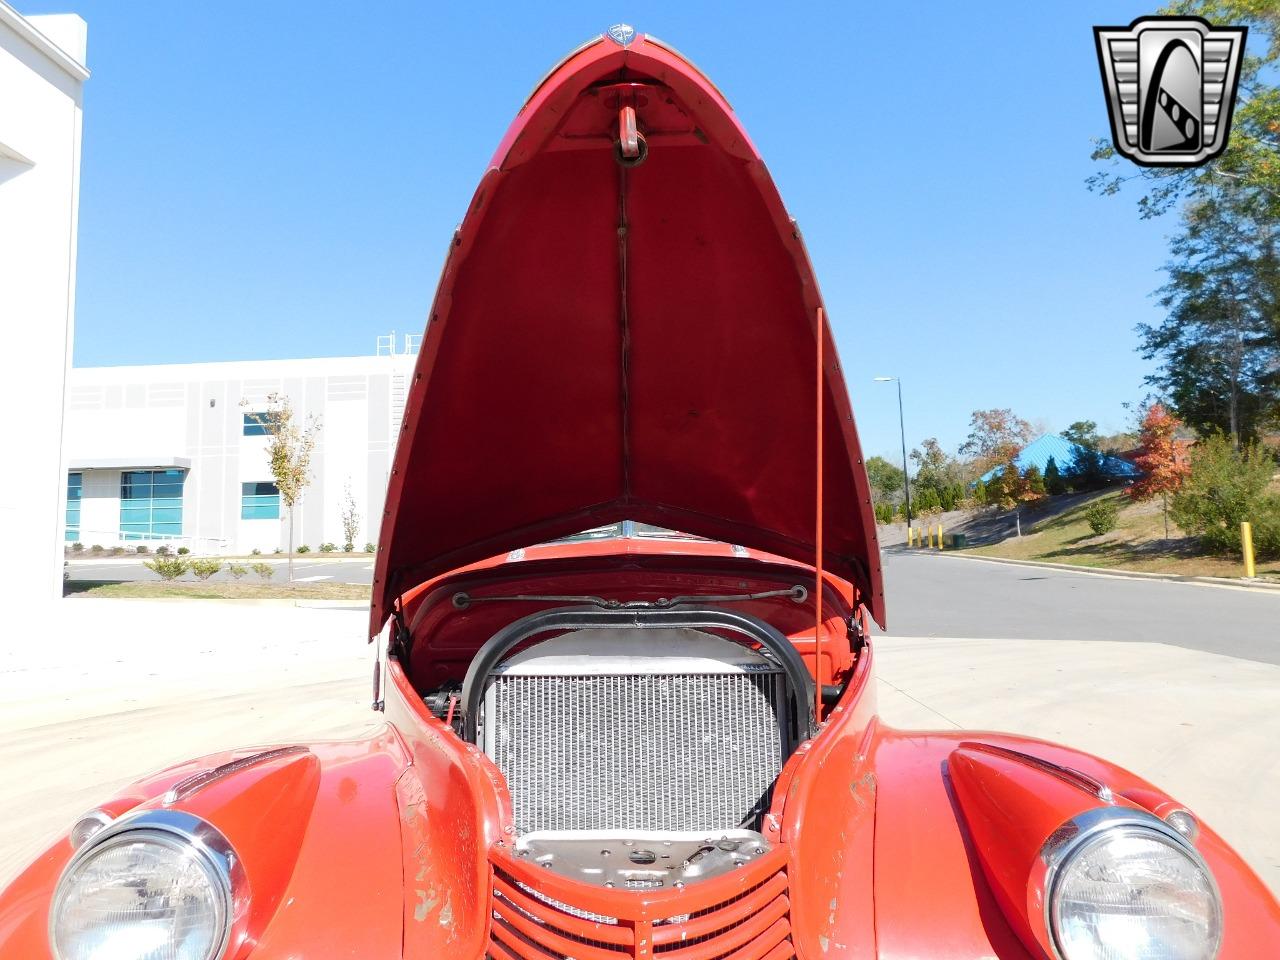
(708, 921)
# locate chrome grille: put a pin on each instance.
(637, 751)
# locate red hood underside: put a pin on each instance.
(613, 343)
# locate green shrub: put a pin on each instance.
(77, 547)
(183, 551)
(168, 568)
(264, 570)
(236, 571)
(304, 549)
(370, 548)
(141, 548)
(348, 547)
(1227, 486)
(980, 493)
(96, 548)
(1102, 515)
(278, 550)
(162, 551)
(204, 569)
(255, 552)
(327, 548)
(884, 512)
(117, 551)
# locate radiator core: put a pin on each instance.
(640, 732)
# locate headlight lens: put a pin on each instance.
(1134, 893)
(142, 895)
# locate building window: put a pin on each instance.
(75, 488)
(257, 425)
(259, 501)
(151, 504)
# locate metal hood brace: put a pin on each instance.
(624, 329)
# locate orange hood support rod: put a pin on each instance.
(817, 586)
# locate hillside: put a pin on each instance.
(1056, 531)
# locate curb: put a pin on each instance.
(1260, 586)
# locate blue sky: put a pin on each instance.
(280, 180)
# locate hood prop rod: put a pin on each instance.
(817, 566)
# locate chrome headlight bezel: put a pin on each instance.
(181, 831)
(1080, 832)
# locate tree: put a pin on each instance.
(1034, 481)
(1163, 466)
(1219, 344)
(995, 438)
(1088, 470)
(1002, 487)
(1083, 433)
(886, 480)
(980, 492)
(289, 451)
(1054, 484)
(1224, 487)
(350, 519)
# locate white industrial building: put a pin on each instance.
(177, 454)
(42, 75)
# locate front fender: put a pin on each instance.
(317, 832)
(932, 897)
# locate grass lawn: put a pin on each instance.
(1137, 543)
(219, 590)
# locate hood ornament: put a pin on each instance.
(622, 34)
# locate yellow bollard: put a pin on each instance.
(1246, 542)
(939, 536)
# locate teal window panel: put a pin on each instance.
(151, 503)
(259, 500)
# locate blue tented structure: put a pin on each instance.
(1064, 453)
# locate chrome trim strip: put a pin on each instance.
(193, 784)
(1071, 775)
(586, 45)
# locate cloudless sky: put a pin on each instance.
(270, 180)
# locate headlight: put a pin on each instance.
(156, 887)
(1124, 886)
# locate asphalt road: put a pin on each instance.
(936, 595)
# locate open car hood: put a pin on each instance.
(612, 342)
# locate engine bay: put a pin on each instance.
(640, 748)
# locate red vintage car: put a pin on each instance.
(634, 743)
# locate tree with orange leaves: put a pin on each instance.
(1161, 459)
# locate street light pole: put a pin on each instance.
(902, 432)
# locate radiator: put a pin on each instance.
(672, 730)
